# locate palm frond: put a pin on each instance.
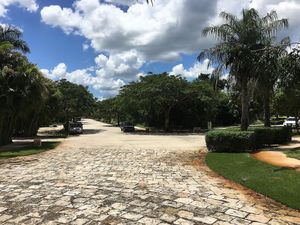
(228, 17)
(13, 35)
(274, 26)
(225, 32)
(270, 17)
(150, 1)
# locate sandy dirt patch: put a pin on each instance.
(277, 159)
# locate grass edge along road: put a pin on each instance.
(277, 183)
(28, 150)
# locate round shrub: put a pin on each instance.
(230, 141)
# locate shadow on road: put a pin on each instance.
(142, 132)
(52, 134)
(92, 131)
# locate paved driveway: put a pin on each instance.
(107, 177)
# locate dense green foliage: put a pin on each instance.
(168, 102)
(234, 140)
(71, 100)
(27, 98)
(29, 150)
(280, 184)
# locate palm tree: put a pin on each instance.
(268, 68)
(240, 40)
(13, 36)
(22, 93)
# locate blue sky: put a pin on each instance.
(104, 45)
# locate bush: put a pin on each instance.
(270, 136)
(230, 141)
(234, 140)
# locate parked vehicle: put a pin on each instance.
(75, 128)
(127, 127)
(290, 122)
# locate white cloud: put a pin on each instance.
(124, 65)
(159, 32)
(146, 33)
(99, 79)
(194, 71)
(29, 5)
(58, 72)
(65, 17)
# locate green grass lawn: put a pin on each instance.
(294, 153)
(30, 150)
(282, 185)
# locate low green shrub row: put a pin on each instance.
(241, 141)
(270, 136)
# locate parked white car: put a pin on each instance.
(290, 122)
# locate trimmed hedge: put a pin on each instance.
(234, 140)
(230, 141)
(270, 136)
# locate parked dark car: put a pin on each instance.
(75, 128)
(127, 127)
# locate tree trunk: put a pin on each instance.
(167, 119)
(245, 105)
(267, 114)
(297, 125)
(118, 118)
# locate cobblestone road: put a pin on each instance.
(106, 177)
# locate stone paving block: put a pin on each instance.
(5, 217)
(2, 209)
(119, 206)
(199, 204)
(168, 218)
(185, 214)
(183, 222)
(258, 218)
(184, 200)
(238, 221)
(132, 216)
(79, 222)
(251, 209)
(222, 223)
(236, 213)
(256, 223)
(149, 221)
(205, 219)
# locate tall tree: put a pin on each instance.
(76, 101)
(239, 40)
(268, 69)
(21, 92)
(288, 96)
(154, 96)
